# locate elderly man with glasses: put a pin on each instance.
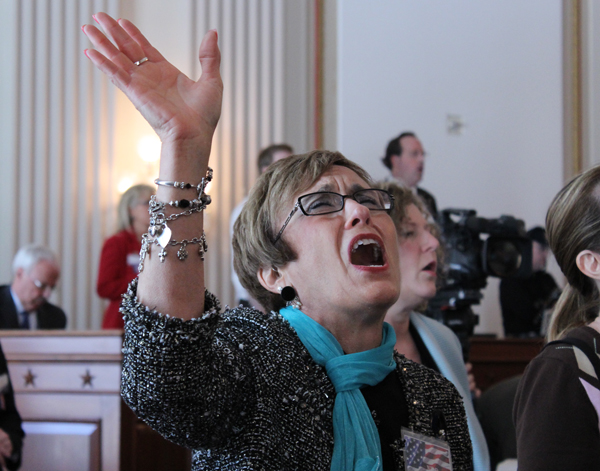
(24, 304)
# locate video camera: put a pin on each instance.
(470, 258)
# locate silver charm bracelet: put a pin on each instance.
(158, 219)
(160, 234)
(182, 253)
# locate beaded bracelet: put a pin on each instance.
(158, 220)
(195, 205)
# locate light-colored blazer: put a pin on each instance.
(444, 347)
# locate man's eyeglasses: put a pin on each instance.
(41, 286)
(325, 202)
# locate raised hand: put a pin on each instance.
(178, 108)
(184, 114)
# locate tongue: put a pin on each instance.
(367, 255)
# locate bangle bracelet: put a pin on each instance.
(180, 185)
(187, 186)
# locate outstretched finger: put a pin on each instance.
(149, 50)
(129, 51)
(103, 45)
(116, 74)
(210, 57)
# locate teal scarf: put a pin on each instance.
(356, 440)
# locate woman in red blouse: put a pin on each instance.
(121, 252)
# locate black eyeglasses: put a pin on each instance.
(326, 202)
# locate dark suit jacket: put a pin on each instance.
(49, 316)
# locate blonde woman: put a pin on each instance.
(558, 400)
(120, 255)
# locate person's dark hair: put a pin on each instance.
(538, 234)
(265, 157)
(270, 200)
(394, 148)
(572, 226)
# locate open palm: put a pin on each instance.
(176, 107)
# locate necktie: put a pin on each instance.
(24, 321)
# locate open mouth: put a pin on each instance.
(430, 267)
(366, 252)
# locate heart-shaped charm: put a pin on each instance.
(164, 237)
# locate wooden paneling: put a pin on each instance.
(144, 449)
(67, 390)
(497, 359)
(49, 442)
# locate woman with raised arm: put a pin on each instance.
(557, 405)
(311, 384)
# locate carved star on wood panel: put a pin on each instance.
(87, 379)
(30, 378)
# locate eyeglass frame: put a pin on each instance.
(41, 286)
(298, 205)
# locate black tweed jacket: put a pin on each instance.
(242, 391)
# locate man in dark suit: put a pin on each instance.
(24, 304)
(405, 158)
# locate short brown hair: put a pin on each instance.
(573, 225)
(270, 198)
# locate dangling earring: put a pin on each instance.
(289, 295)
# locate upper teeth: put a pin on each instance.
(364, 242)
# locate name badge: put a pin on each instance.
(133, 260)
(423, 453)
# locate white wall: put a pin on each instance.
(406, 65)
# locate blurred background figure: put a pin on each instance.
(266, 157)
(24, 304)
(525, 301)
(494, 409)
(420, 338)
(11, 432)
(120, 255)
(405, 158)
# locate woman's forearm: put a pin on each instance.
(173, 286)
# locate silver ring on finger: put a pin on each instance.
(141, 61)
